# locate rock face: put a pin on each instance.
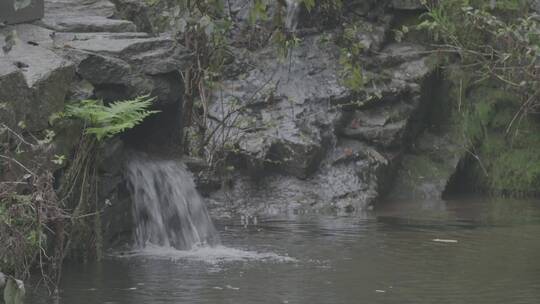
(308, 142)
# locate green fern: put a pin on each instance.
(105, 121)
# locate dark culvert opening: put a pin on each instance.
(463, 182)
(159, 133)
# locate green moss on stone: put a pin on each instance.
(502, 161)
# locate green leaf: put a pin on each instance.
(106, 121)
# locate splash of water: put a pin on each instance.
(168, 210)
(210, 255)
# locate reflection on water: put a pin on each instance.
(384, 256)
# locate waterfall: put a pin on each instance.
(291, 20)
(168, 210)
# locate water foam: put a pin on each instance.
(210, 255)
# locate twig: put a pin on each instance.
(18, 163)
(17, 135)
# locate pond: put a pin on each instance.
(461, 251)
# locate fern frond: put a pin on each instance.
(117, 117)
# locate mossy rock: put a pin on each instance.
(511, 164)
(14, 292)
(506, 156)
(426, 171)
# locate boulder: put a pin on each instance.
(14, 292)
(83, 16)
(103, 8)
(17, 11)
(13, 91)
(124, 65)
(32, 35)
(372, 35)
(426, 170)
(347, 180)
(45, 81)
(146, 17)
(382, 126)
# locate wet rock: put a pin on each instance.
(33, 35)
(80, 90)
(46, 78)
(371, 35)
(103, 8)
(83, 16)
(307, 139)
(283, 110)
(118, 45)
(398, 53)
(349, 185)
(100, 70)
(13, 91)
(426, 170)
(124, 65)
(385, 119)
(16, 11)
(285, 125)
(88, 24)
(111, 58)
(383, 126)
(147, 18)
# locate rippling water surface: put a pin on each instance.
(464, 251)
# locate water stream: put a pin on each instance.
(168, 210)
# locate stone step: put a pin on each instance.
(86, 24)
(83, 16)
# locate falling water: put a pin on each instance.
(168, 210)
(293, 9)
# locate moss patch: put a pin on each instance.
(504, 162)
